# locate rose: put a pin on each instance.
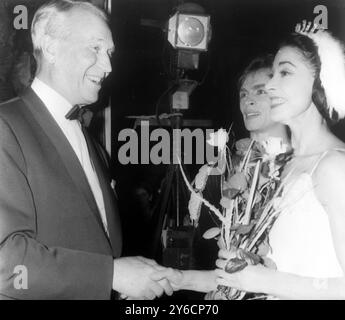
(235, 185)
(274, 146)
(237, 181)
(218, 139)
(242, 146)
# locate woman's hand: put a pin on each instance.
(176, 278)
(251, 279)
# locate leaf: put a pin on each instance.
(231, 193)
(265, 169)
(258, 212)
(245, 194)
(211, 233)
(236, 160)
(194, 207)
(221, 244)
(238, 181)
(263, 248)
(251, 258)
(201, 177)
(235, 265)
(235, 226)
(246, 218)
(244, 229)
(283, 158)
(262, 180)
(217, 170)
(259, 148)
(258, 197)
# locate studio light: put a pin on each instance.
(189, 31)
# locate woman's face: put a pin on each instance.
(290, 88)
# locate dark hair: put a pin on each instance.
(310, 52)
(259, 63)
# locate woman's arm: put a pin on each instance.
(196, 280)
(260, 279)
(329, 181)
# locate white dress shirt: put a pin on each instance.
(58, 107)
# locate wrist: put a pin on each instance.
(115, 283)
(199, 280)
(180, 283)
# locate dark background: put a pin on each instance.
(241, 29)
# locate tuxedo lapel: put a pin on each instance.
(63, 148)
(111, 209)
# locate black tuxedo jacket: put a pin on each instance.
(49, 220)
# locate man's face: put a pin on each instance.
(255, 103)
(82, 60)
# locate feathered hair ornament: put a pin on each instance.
(332, 73)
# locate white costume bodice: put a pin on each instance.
(300, 238)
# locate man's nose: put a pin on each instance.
(250, 102)
(105, 63)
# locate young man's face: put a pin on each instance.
(255, 104)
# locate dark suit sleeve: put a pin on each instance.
(53, 272)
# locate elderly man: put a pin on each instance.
(59, 223)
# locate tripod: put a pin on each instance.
(173, 198)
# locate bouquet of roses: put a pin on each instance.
(251, 191)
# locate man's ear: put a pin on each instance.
(49, 48)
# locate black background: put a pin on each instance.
(242, 29)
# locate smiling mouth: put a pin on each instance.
(252, 114)
(96, 80)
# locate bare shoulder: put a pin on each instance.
(329, 178)
(333, 163)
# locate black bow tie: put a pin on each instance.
(83, 115)
(73, 114)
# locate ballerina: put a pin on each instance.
(307, 239)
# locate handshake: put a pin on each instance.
(140, 278)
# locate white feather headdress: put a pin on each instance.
(332, 73)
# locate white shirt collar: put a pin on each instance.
(57, 105)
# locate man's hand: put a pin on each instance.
(142, 278)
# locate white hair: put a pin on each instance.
(49, 19)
